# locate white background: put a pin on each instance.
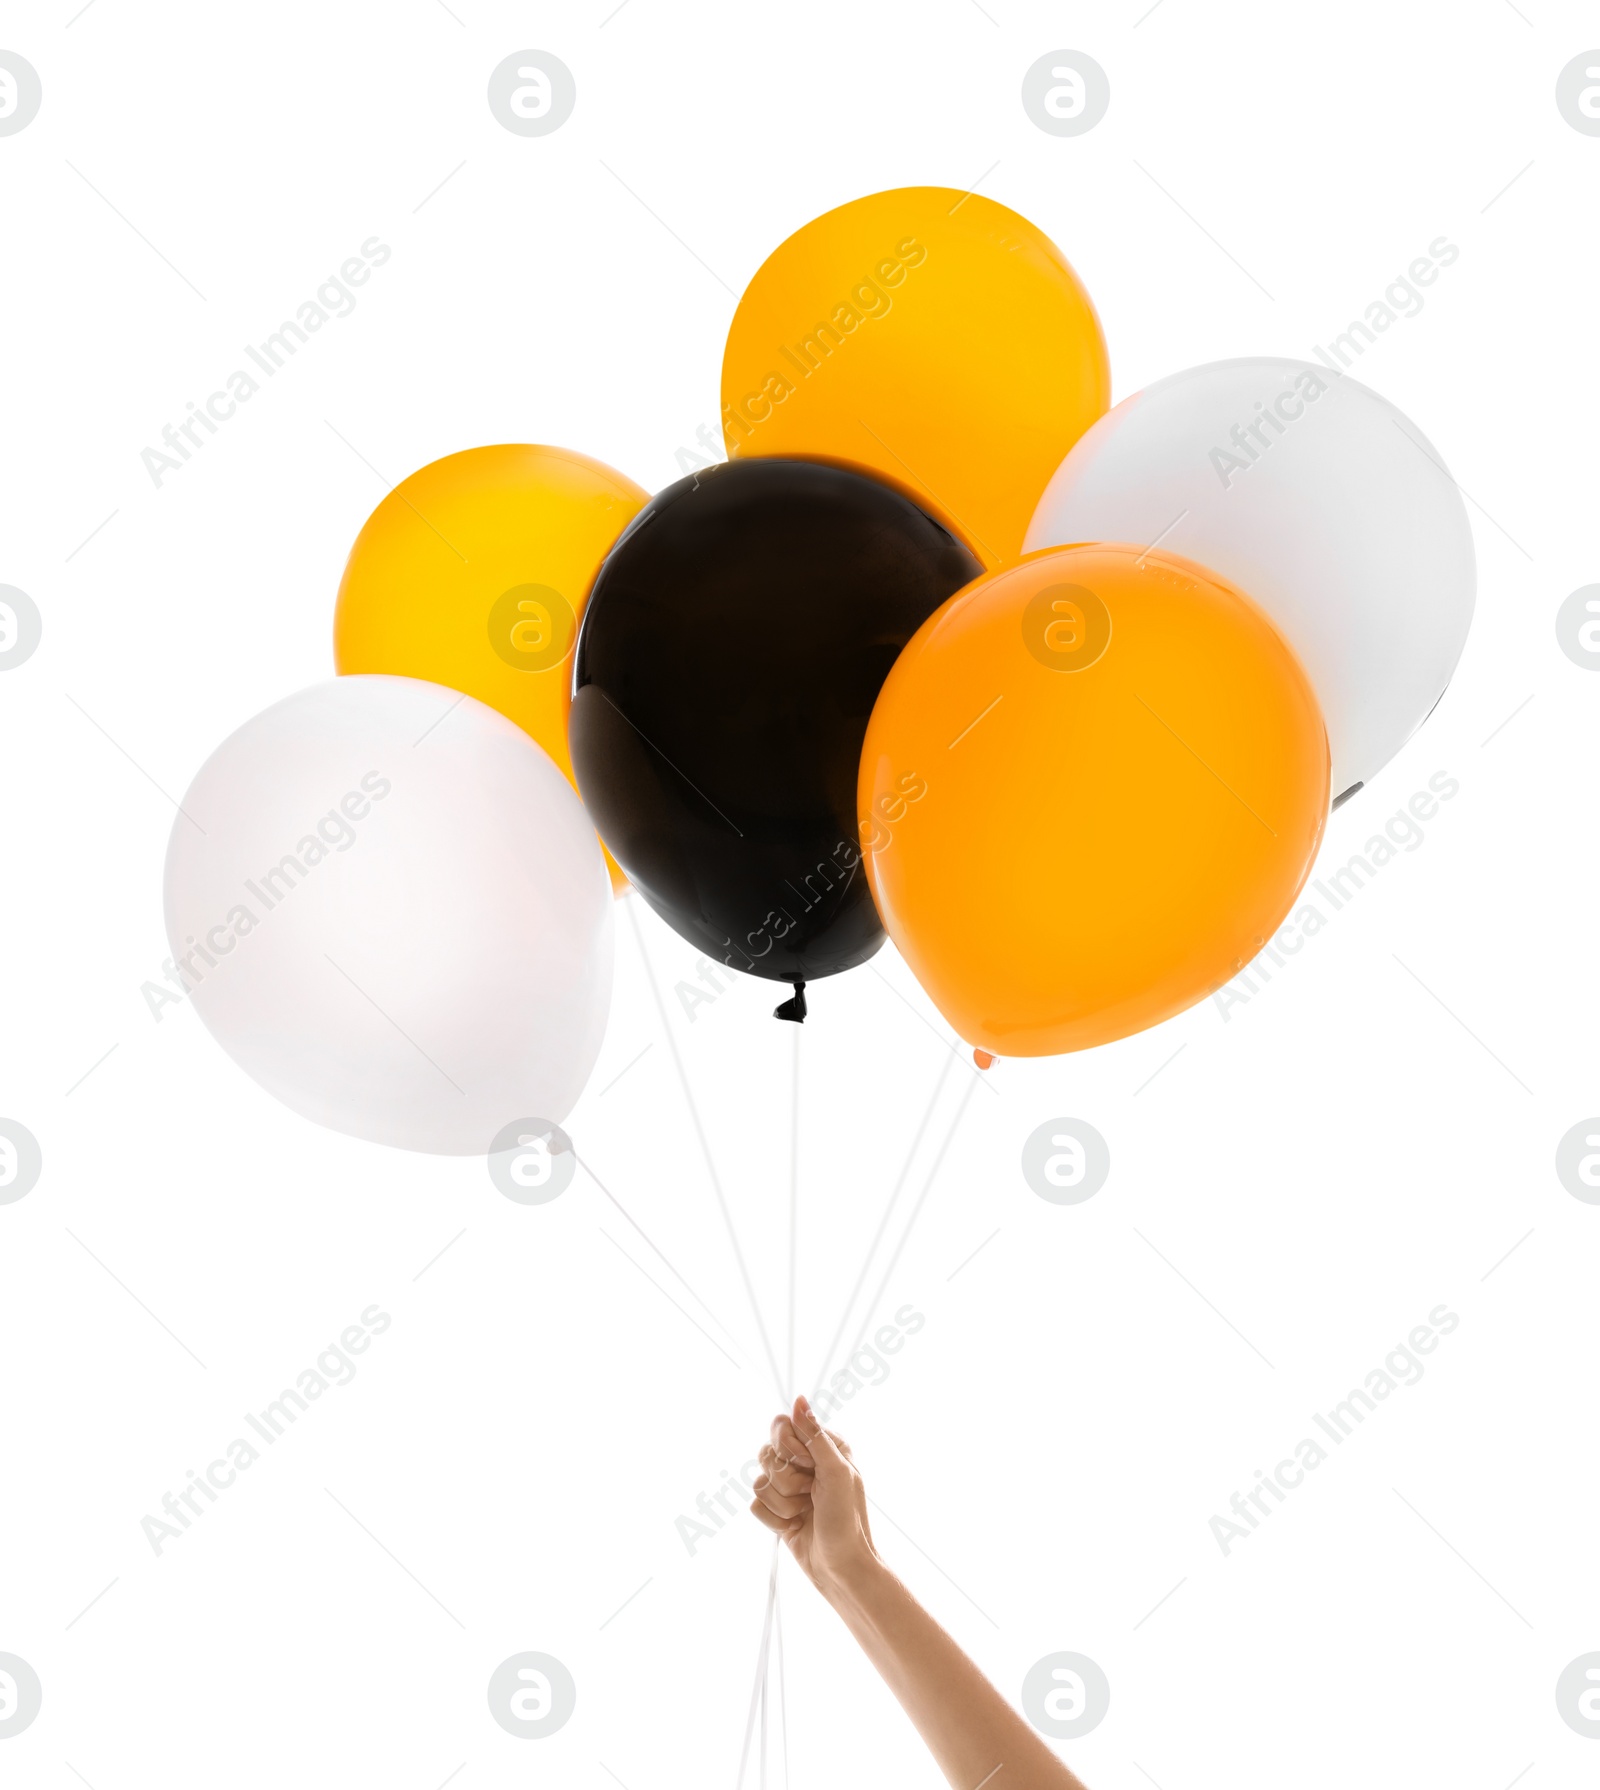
(1300, 1185)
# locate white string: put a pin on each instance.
(705, 1149)
(583, 1163)
(783, 1700)
(763, 1663)
(794, 1209)
(758, 1689)
(916, 1213)
(883, 1224)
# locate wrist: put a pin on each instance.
(856, 1589)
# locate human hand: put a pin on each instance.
(810, 1493)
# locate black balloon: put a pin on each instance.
(732, 648)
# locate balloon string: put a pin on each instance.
(705, 1149)
(883, 1223)
(758, 1689)
(783, 1701)
(774, 1622)
(916, 1211)
(583, 1163)
(794, 1210)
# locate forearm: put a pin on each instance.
(973, 1732)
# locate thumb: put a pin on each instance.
(829, 1462)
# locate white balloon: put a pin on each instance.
(1314, 496)
(394, 914)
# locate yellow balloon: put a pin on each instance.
(930, 337)
(473, 573)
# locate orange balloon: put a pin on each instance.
(473, 573)
(930, 337)
(1091, 789)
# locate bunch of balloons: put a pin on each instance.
(1055, 695)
